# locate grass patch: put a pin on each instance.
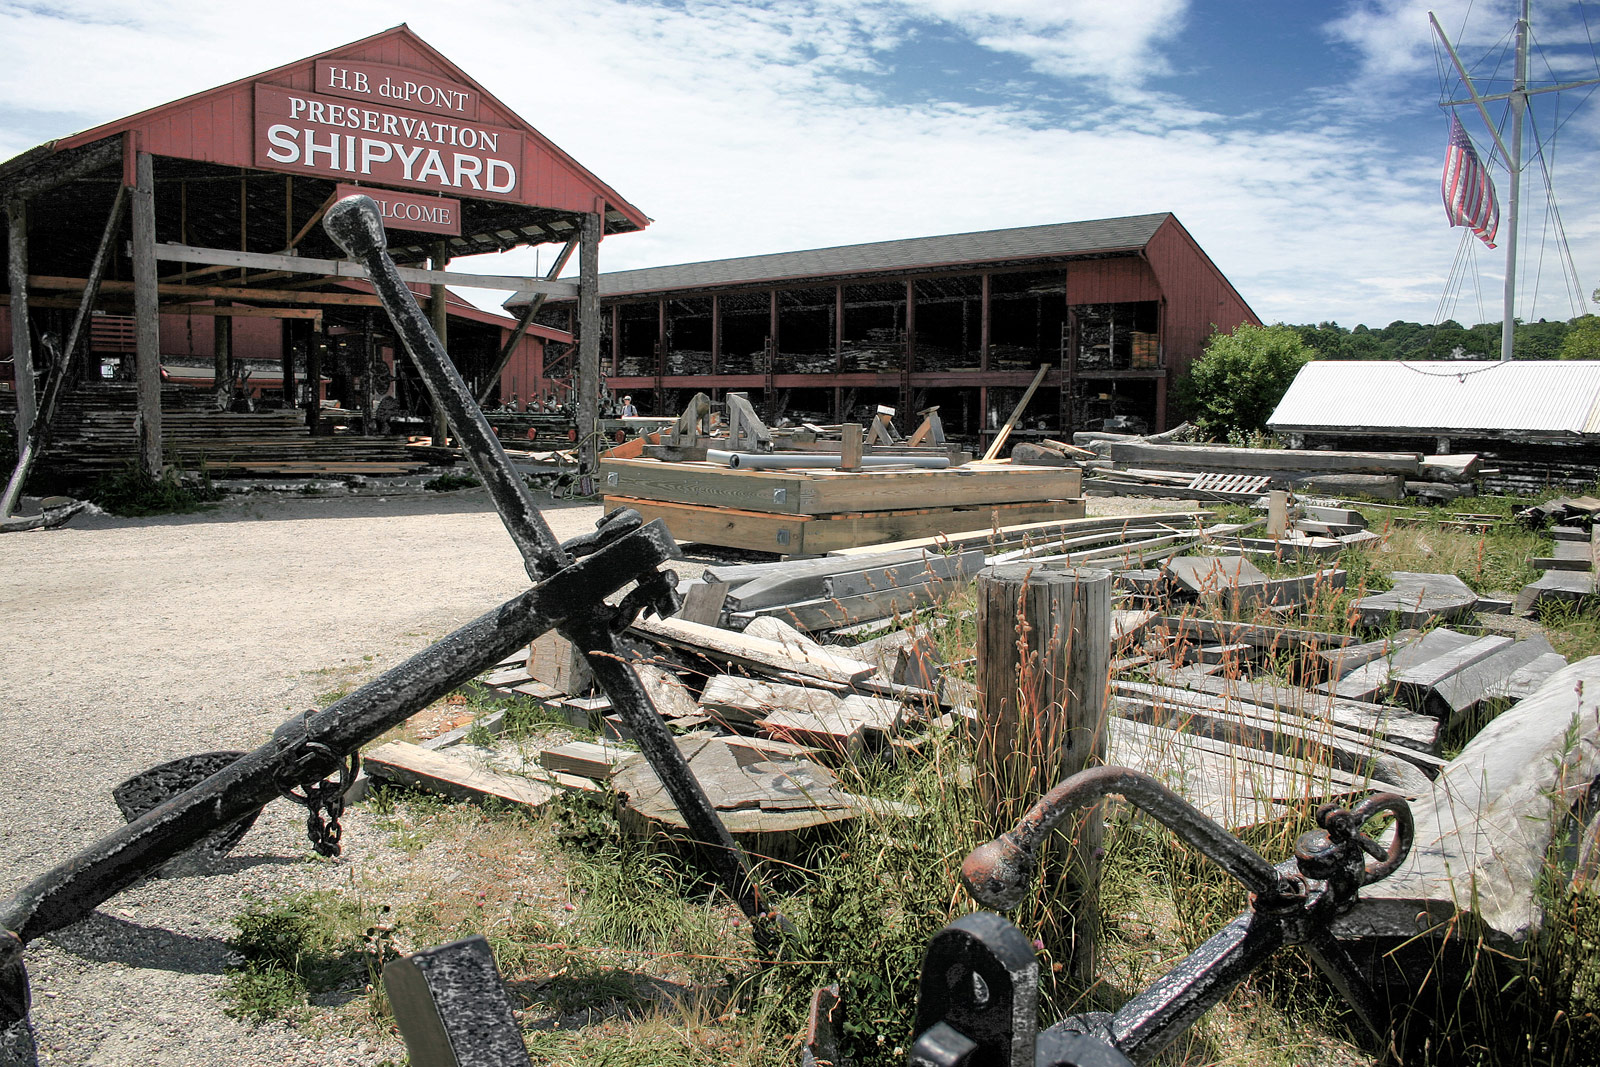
(446, 483)
(134, 493)
(300, 947)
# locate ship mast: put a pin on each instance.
(1518, 98)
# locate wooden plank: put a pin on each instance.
(1368, 681)
(1235, 460)
(583, 758)
(1034, 532)
(820, 492)
(1414, 684)
(1397, 726)
(1267, 638)
(830, 613)
(728, 646)
(449, 775)
(704, 602)
(1016, 413)
(1241, 723)
(805, 534)
(747, 700)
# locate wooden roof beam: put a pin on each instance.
(212, 292)
(342, 268)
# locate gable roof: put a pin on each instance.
(1478, 397)
(552, 179)
(1016, 245)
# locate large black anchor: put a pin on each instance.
(211, 799)
(978, 998)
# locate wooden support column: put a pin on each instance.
(291, 329)
(1044, 649)
(21, 335)
(438, 312)
(905, 404)
(222, 359)
(146, 317)
(314, 338)
(588, 406)
(716, 333)
(369, 368)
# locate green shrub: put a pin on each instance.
(133, 493)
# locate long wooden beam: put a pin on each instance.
(344, 268)
(238, 311)
(21, 332)
(524, 322)
(146, 316)
(214, 292)
(1011, 423)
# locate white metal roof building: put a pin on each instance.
(1556, 401)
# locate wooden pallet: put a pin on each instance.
(1230, 483)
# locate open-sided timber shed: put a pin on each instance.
(206, 209)
(1116, 309)
(1535, 423)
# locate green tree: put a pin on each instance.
(1240, 378)
(1583, 338)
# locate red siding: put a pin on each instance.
(1111, 281)
(1198, 296)
(218, 126)
(524, 373)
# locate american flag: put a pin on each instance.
(1469, 198)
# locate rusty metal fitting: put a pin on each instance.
(998, 873)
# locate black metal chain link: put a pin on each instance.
(324, 801)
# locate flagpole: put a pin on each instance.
(1519, 106)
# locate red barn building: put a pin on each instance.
(232, 286)
(1115, 308)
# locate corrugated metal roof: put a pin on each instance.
(983, 246)
(1558, 397)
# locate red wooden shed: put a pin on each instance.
(1114, 309)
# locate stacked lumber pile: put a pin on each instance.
(831, 592)
(815, 511)
(1569, 573)
(93, 434)
(1128, 465)
(1567, 511)
(1487, 826)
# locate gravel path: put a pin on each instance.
(130, 642)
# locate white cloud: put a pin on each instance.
(748, 127)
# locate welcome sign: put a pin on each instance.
(311, 133)
(408, 211)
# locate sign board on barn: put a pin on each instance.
(408, 211)
(387, 110)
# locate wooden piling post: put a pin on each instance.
(1044, 646)
(850, 447)
(146, 317)
(1277, 514)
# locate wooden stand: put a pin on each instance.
(1043, 653)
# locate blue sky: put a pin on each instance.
(1299, 142)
